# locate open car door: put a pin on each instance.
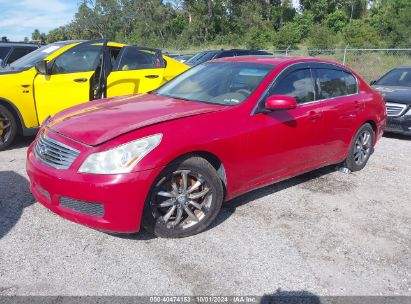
(136, 70)
(76, 76)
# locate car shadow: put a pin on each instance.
(14, 197)
(397, 136)
(230, 207)
(142, 235)
(290, 297)
(21, 142)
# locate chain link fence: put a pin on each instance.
(368, 63)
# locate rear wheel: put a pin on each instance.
(361, 148)
(184, 199)
(8, 127)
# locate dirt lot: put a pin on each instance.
(326, 233)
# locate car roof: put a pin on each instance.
(274, 60)
(66, 42)
(12, 44)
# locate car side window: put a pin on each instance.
(78, 59)
(18, 53)
(137, 59)
(334, 83)
(298, 84)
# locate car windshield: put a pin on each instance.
(201, 57)
(398, 77)
(32, 58)
(224, 83)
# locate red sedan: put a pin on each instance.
(170, 158)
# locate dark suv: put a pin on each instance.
(396, 88)
(208, 55)
(10, 51)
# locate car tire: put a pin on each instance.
(361, 148)
(191, 183)
(8, 127)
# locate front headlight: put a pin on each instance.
(121, 159)
(408, 113)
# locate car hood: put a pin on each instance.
(395, 94)
(98, 121)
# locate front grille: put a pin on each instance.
(94, 209)
(54, 153)
(395, 109)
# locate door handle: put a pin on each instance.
(314, 115)
(151, 76)
(357, 104)
(80, 79)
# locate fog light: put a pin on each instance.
(43, 191)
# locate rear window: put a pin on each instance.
(334, 83)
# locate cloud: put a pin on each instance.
(20, 17)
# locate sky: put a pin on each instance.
(19, 18)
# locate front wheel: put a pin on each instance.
(184, 199)
(361, 148)
(8, 127)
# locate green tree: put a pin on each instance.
(304, 23)
(287, 36)
(391, 19)
(258, 38)
(360, 34)
(321, 37)
(319, 8)
(337, 20)
(36, 35)
(58, 34)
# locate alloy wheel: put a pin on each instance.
(181, 199)
(5, 128)
(362, 147)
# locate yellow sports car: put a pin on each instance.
(63, 74)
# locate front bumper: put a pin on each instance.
(400, 125)
(121, 196)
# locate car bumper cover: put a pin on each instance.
(401, 125)
(106, 202)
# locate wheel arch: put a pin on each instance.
(16, 113)
(374, 127)
(213, 159)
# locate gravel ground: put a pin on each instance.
(323, 233)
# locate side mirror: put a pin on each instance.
(373, 82)
(280, 102)
(42, 67)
